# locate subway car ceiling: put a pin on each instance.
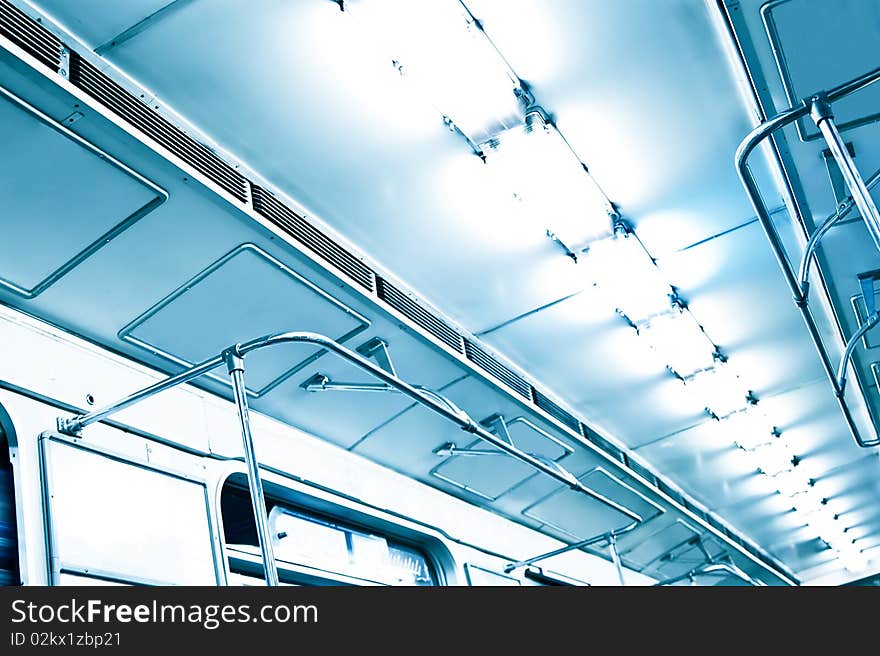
(182, 176)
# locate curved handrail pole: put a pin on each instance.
(813, 243)
(870, 322)
(745, 149)
(440, 407)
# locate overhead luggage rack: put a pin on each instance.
(234, 359)
(819, 108)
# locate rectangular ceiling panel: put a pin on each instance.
(243, 295)
(51, 220)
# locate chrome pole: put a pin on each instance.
(74, 425)
(813, 243)
(741, 159)
(823, 117)
(870, 322)
(235, 366)
(615, 558)
(570, 547)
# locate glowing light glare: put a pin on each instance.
(439, 48)
(792, 482)
(535, 163)
(854, 561)
(679, 341)
(808, 502)
(627, 278)
(719, 389)
(749, 428)
(771, 458)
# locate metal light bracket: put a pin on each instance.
(375, 349)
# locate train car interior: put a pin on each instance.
(439, 293)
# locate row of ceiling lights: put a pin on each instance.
(442, 50)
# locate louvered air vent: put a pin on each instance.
(412, 310)
(108, 93)
(30, 36)
(278, 213)
(699, 512)
(671, 492)
(641, 470)
(603, 444)
(555, 410)
(479, 356)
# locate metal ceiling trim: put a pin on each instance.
(747, 549)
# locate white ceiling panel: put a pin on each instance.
(96, 22)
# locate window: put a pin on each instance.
(316, 549)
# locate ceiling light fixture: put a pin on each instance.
(720, 389)
(442, 50)
(680, 341)
(627, 277)
(773, 457)
(535, 163)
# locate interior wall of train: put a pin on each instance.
(446, 293)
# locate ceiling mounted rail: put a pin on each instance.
(713, 566)
(818, 107)
(234, 357)
(608, 536)
(830, 221)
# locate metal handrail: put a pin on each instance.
(611, 536)
(745, 149)
(713, 568)
(234, 356)
(813, 243)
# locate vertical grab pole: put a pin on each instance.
(235, 366)
(615, 558)
(823, 117)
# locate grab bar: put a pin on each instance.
(234, 356)
(745, 149)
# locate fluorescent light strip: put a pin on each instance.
(680, 340)
(442, 50)
(627, 278)
(534, 163)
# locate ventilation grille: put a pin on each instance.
(699, 512)
(30, 36)
(297, 227)
(107, 92)
(412, 310)
(670, 492)
(555, 410)
(641, 470)
(603, 444)
(476, 354)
